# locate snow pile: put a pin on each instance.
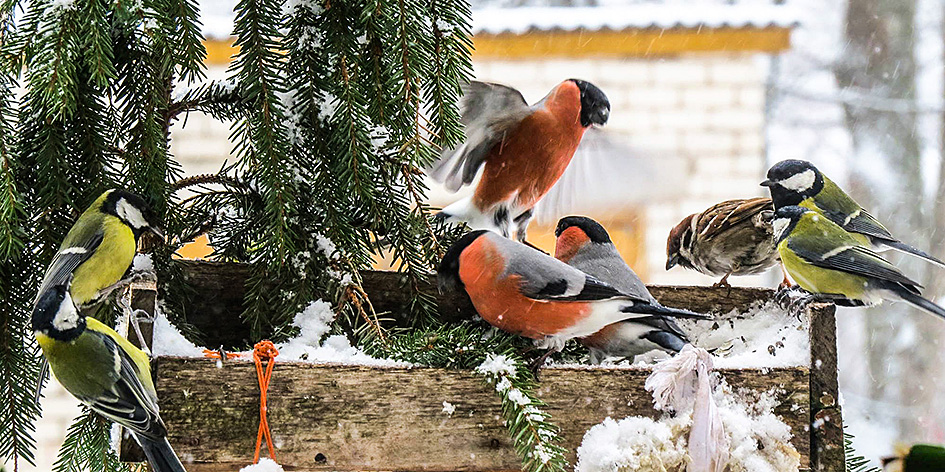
(167, 340)
(764, 336)
(634, 444)
(314, 322)
(714, 428)
(759, 441)
(265, 464)
(448, 408)
(142, 263)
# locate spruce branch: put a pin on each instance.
(87, 446)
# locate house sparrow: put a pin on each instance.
(522, 149)
(730, 238)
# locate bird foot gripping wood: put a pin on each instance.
(537, 364)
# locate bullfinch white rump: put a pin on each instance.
(522, 149)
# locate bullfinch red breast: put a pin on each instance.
(526, 292)
(522, 149)
(584, 244)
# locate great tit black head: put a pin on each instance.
(595, 107)
(56, 315)
(785, 219)
(793, 180)
(133, 211)
(594, 231)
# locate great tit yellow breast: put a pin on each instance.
(83, 366)
(820, 280)
(107, 264)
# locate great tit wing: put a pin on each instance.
(725, 215)
(128, 402)
(864, 223)
(488, 112)
(854, 259)
(69, 257)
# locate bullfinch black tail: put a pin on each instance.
(921, 302)
(650, 309)
(666, 340)
(903, 247)
(160, 455)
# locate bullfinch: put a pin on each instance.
(522, 149)
(733, 237)
(797, 182)
(584, 244)
(526, 292)
(834, 265)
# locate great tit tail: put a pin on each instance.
(921, 302)
(655, 309)
(903, 247)
(160, 455)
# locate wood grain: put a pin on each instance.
(215, 313)
(363, 418)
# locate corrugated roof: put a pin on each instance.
(217, 17)
(527, 19)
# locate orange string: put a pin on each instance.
(264, 349)
(210, 353)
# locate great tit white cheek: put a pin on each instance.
(130, 214)
(779, 225)
(799, 182)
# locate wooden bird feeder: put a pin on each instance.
(343, 417)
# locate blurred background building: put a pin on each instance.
(705, 95)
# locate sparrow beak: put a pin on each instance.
(767, 183)
(672, 261)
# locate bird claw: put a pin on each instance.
(794, 299)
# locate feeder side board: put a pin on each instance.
(826, 433)
(363, 418)
(221, 287)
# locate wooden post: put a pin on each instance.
(826, 432)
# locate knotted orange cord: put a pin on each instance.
(211, 354)
(264, 349)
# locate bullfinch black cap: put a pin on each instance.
(594, 231)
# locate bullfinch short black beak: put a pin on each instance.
(767, 183)
(672, 261)
(599, 117)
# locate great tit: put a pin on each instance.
(830, 263)
(584, 244)
(522, 150)
(918, 458)
(733, 237)
(100, 247)
(104, 371)
(796, 182)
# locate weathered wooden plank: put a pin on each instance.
(362, 418)
(826, 433)
(215, 313)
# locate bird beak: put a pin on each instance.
(767, 183)
(158, 232)
(672, 261)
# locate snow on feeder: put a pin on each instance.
(331, 407)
